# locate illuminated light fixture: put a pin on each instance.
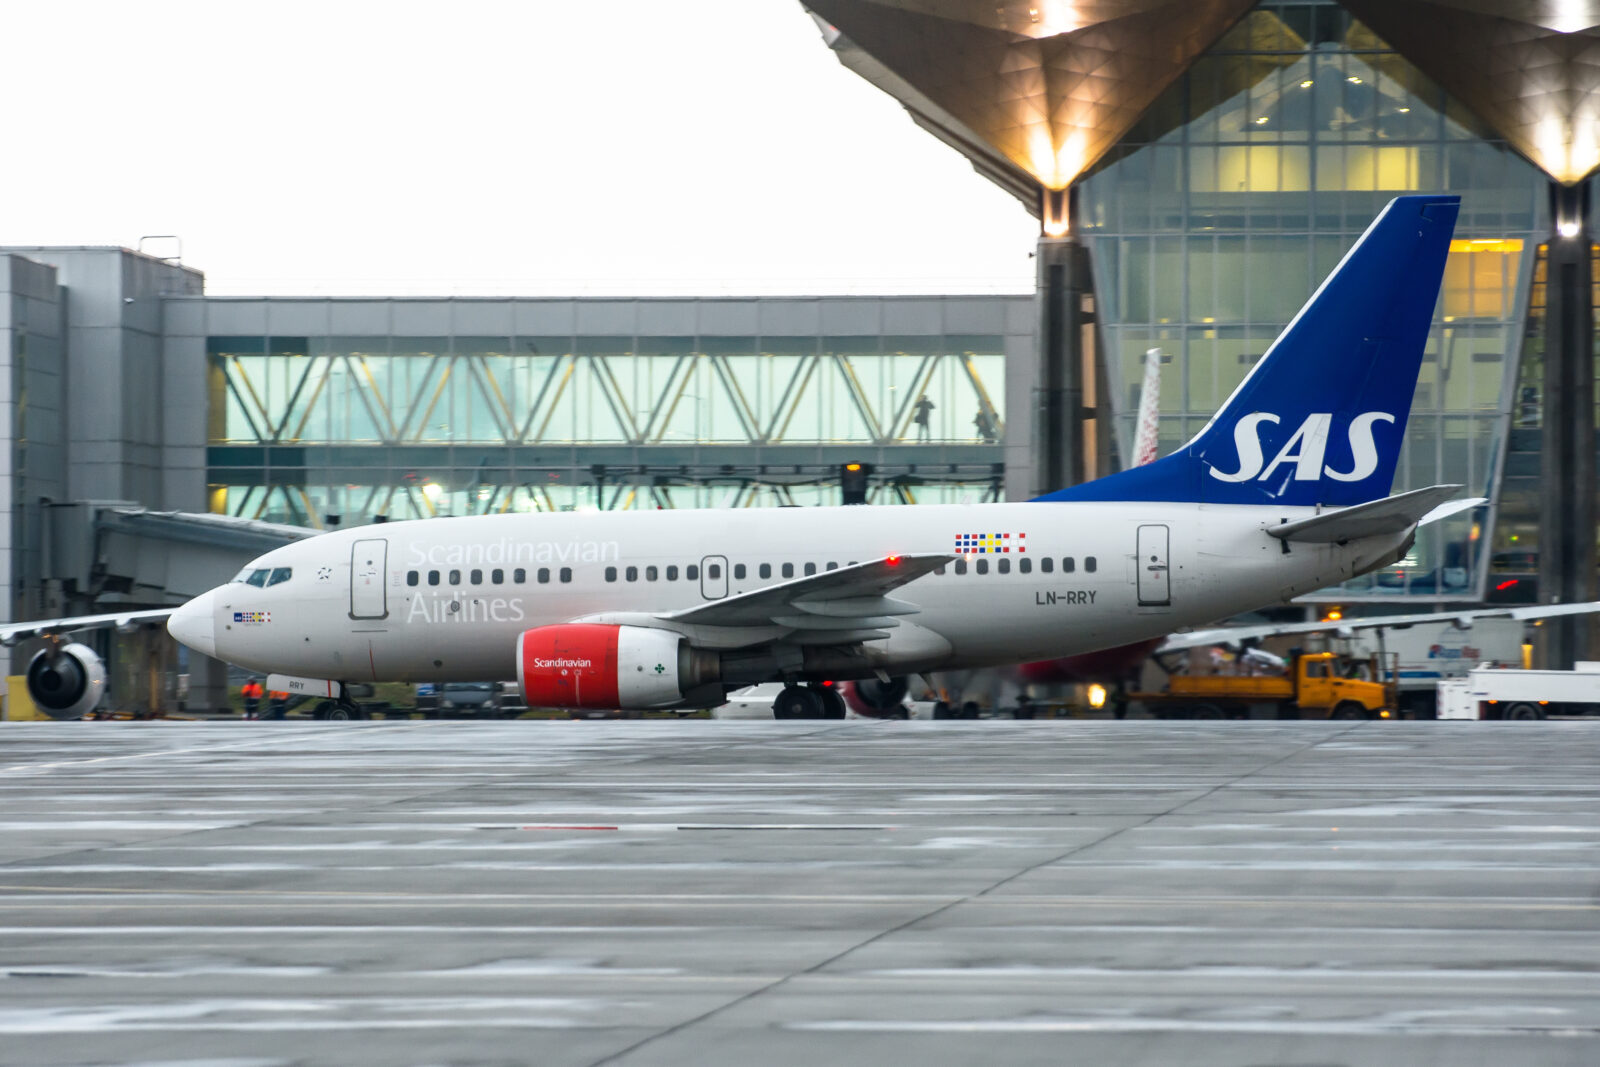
(852, 467)
(1354, 79)
(1333, 615)
(1403, 110)
(1055, 212)
(1097, 696)
(893, 561)
(432, 490)
(1503, 586)
(1308, 83)
(1262, 121)
(1568, 228)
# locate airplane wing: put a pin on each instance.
(11, 633)
(1235, 635)
(1388, 515)
(831, 607)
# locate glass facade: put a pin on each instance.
(1241, 189)
(304, 427)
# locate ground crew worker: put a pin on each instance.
(252, 698)
(278, 705)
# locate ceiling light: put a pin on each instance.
(1403, 110)
(1354, 79)
(1262, 121)
(1308, 83)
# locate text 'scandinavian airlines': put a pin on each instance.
(1285, 491)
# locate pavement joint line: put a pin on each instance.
(685, 1024)
(19, 767)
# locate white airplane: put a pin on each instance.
(1284, 492)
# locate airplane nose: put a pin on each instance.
(195, 624)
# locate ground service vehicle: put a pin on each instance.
(1432, 651)
(1317, 684)
(1487, 693)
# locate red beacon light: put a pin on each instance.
(893, 561)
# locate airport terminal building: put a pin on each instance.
(1197, 169)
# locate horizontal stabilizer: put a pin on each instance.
(1389, 515)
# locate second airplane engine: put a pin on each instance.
(66, 682)
(594, 665)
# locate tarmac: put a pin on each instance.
(657, 893)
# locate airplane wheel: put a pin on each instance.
(970, 710)
(323, 709)
(797, 702)
(1348, 709)
(832, 702)
(1523, 711)
(942, 710)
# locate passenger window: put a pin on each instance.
(788, 570)
(738, 570)
(566, 574)
(650, 574)
(713, 570)
(1025, 565)
(672, 573)
(692, 573)
(258, 578)
(543, 575)
(811, 568)
(519, 576)
(833, 566)
(1004, 565)
(611, 574)
(983, 566)
(1089, 564)
(1047, 565)
(433, 577)
(961, 566)
(477, 577)
(412, 577)
(497, 576)
(766, 570)
(1068, 565)
(633, 574)
(455, 577)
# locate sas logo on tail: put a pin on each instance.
(1304, 451)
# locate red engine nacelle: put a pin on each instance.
(592, 665)
(875, 699)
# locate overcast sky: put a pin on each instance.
(539, 147)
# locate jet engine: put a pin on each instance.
(596, 665)
(66, 681)
(877, 699)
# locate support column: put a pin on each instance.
(1567, 512)
(208, 684)
(1068, 439)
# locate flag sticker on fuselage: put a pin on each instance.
(990, 543)
(252, 616)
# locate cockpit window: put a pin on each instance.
(258, 578)
(280, 575)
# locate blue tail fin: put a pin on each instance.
(1321, 417)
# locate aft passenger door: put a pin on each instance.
(368, 560)
(1155, 577)
(714, 577)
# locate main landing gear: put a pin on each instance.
(344, 709)
(808, 702)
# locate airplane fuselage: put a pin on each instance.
(446, 599)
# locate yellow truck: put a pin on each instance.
(1315, 685)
